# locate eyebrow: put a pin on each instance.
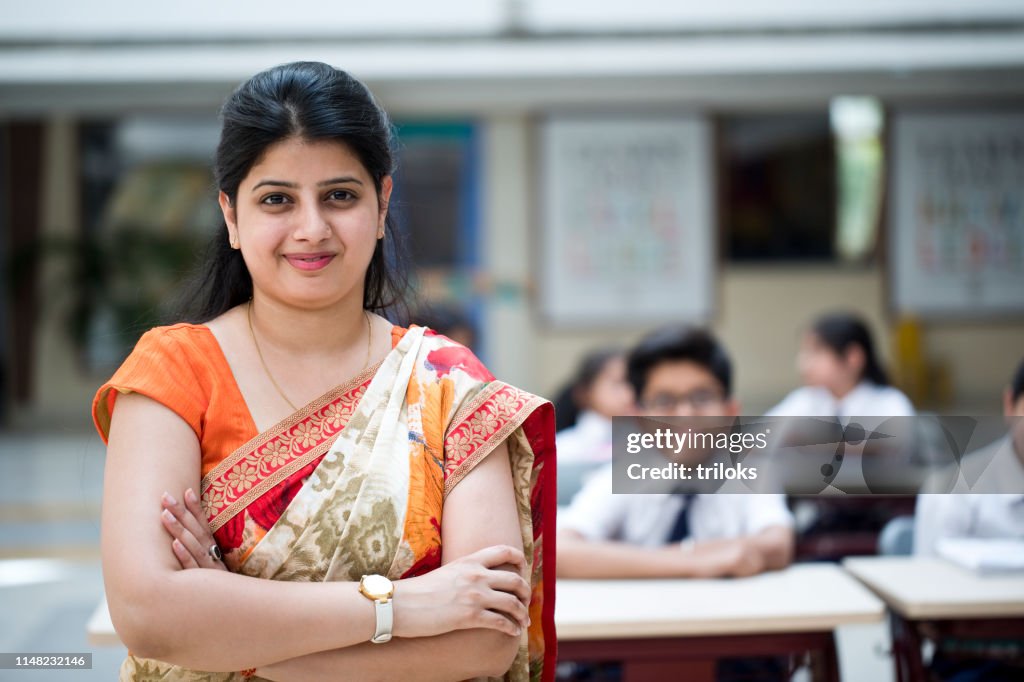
(292, 185)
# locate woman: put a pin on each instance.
(585, 407)
(297, 439)
(842, 375)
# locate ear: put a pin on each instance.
(228, 210)
(1008, 405)
(386, 185)
(731, 408)
(855, 358)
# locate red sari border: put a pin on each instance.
(481, 425)
(276, 454)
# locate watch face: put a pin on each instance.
(377, 585)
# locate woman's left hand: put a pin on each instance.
(190, 533)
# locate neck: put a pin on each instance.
(843, 390)
(329, 331)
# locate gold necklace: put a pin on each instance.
(252, 332)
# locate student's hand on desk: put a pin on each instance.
(735, 558)
(191, 538)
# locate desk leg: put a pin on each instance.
(659, 671)
(906, 649)
(830, 658)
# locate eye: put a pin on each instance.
(341, 195)
(274, 199)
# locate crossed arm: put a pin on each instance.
(769, 549)
(452, 623)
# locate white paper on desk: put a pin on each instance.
(984, 555)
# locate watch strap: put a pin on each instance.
(385, 620)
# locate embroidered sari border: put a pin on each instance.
(278, 477)
(475, 442)
(350, 390)
(474, 405)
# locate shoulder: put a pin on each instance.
(892, 402)
(169, 364)
(447, 358)
(176, 338)
(799, 402)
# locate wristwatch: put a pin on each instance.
(379, 589)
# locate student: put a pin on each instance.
(995, 514)
(584, 409)
(676, 371)
(998, 471)
(842, 375)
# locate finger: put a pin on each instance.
(193, 505)
(187, 518)
(508, 604)
(187, 539)
(185, 558)
(170, 524)
(497, 555)
(506, 581)
(496, 621)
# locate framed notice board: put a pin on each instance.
(627, 220)
(956, 213)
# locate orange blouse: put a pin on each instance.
(183, 368)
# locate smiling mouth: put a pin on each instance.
(310, 262)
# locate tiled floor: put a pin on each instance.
(50, 491)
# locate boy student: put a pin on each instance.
(675, 371)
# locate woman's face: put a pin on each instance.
(307, 218)
(820, 365)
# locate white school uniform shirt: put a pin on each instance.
(647, 519)
(865, 400)
(987, 515)
(590, 440)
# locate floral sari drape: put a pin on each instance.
(354, 483)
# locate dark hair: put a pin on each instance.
(567, 404)
(1017, 385)
(675, 343)
(839, 331)
(312, 101)
(443, 319)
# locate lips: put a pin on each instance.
(309, 261)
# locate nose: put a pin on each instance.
(684, 409)
(311, 224)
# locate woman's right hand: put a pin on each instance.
(470, 592)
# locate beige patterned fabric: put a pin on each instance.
(352, 515)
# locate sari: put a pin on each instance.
(354, 483)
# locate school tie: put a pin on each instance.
(681, 528)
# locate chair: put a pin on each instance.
(897, 537)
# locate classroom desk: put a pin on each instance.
(931, 597)
(677, 629)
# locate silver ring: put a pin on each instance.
(215, 553)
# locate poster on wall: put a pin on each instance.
(627, 221)
(956, 223)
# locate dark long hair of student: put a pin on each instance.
(841, 330)
(312, 101)
(567, 406)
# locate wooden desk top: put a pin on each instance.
(803, 597)
(926, 587)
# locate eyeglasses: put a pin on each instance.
(699, 400)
